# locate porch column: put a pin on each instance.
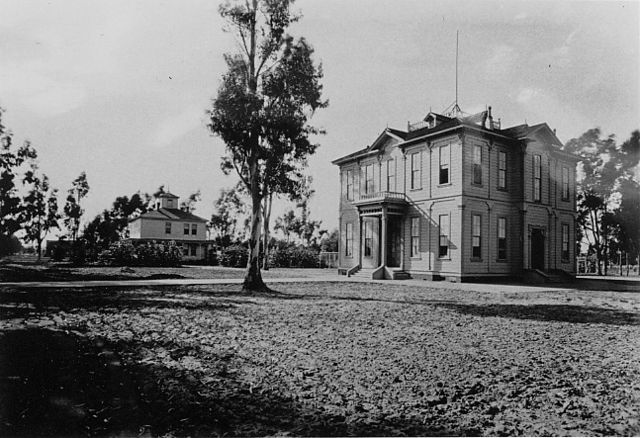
(383, 238)
(360, 240)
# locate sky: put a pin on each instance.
(119, 89)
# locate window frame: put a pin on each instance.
(368, 239)
(185, 229)
(476, 250)
(444, 224)
(194, 250)
(194, 229)
(477, 165)
(391, 174)
(415, 237)
(167, 228)
(502, 240)
(444, 165)
(369, 181)
(416, 173)
(565, 183)
(349, 188)
(565, 240)
(537, 178)
(502, 170)
(348, 240)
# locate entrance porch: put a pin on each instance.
(381, 219)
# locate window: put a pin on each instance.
(443, 226)
(502, 238)
(194, 250)
(368, 179)
(502, 170)
(368, 238)
(477, 164)
(194, 229)
(391, 175)
(348, 250)
(565, 184)
(537, 178)
(348, 247)
(476, 227)
(186, 229)
(415, 237)
(444, 164)
(565, 242)
(167, 228)
(349, 184)
(185, 249)
(170, 203)
(415, 170)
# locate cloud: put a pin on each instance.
(176, 126)
(501, 60)
(526, 94)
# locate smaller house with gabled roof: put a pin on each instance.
(167, 222)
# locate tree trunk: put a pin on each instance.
(265, 231)
(253, 278)
(626, 259)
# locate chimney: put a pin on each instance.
(490, 117)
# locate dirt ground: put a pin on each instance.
(318, 359)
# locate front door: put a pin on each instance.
(370, 252)
(393, 242)
(537, 249)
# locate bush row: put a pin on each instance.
(125, 253)
(280, 256)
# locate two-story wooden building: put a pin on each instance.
(458, 198)
(167, 222)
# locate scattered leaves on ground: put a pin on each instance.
(319, 359)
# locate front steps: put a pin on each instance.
(368, 274)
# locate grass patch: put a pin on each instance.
(318, 359)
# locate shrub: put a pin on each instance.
(126, 253)
(293, 256)
(234, 256)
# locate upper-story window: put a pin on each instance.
(502, 238)
(391, 175)
(445, 159)
(502, 170)
(477, 164)
(194, 229)
(167, 228)
(186, 229)
(349, 184)
(368, 179)
(565, 183)
(415, 170)
(537, 177)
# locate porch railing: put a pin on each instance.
(381, 196)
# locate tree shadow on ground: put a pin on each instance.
(19, 274)
(539, 312)
(548, 312)
(20, 303)
(65, 384)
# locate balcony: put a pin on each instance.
(381, 198)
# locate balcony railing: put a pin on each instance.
(381, 197)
